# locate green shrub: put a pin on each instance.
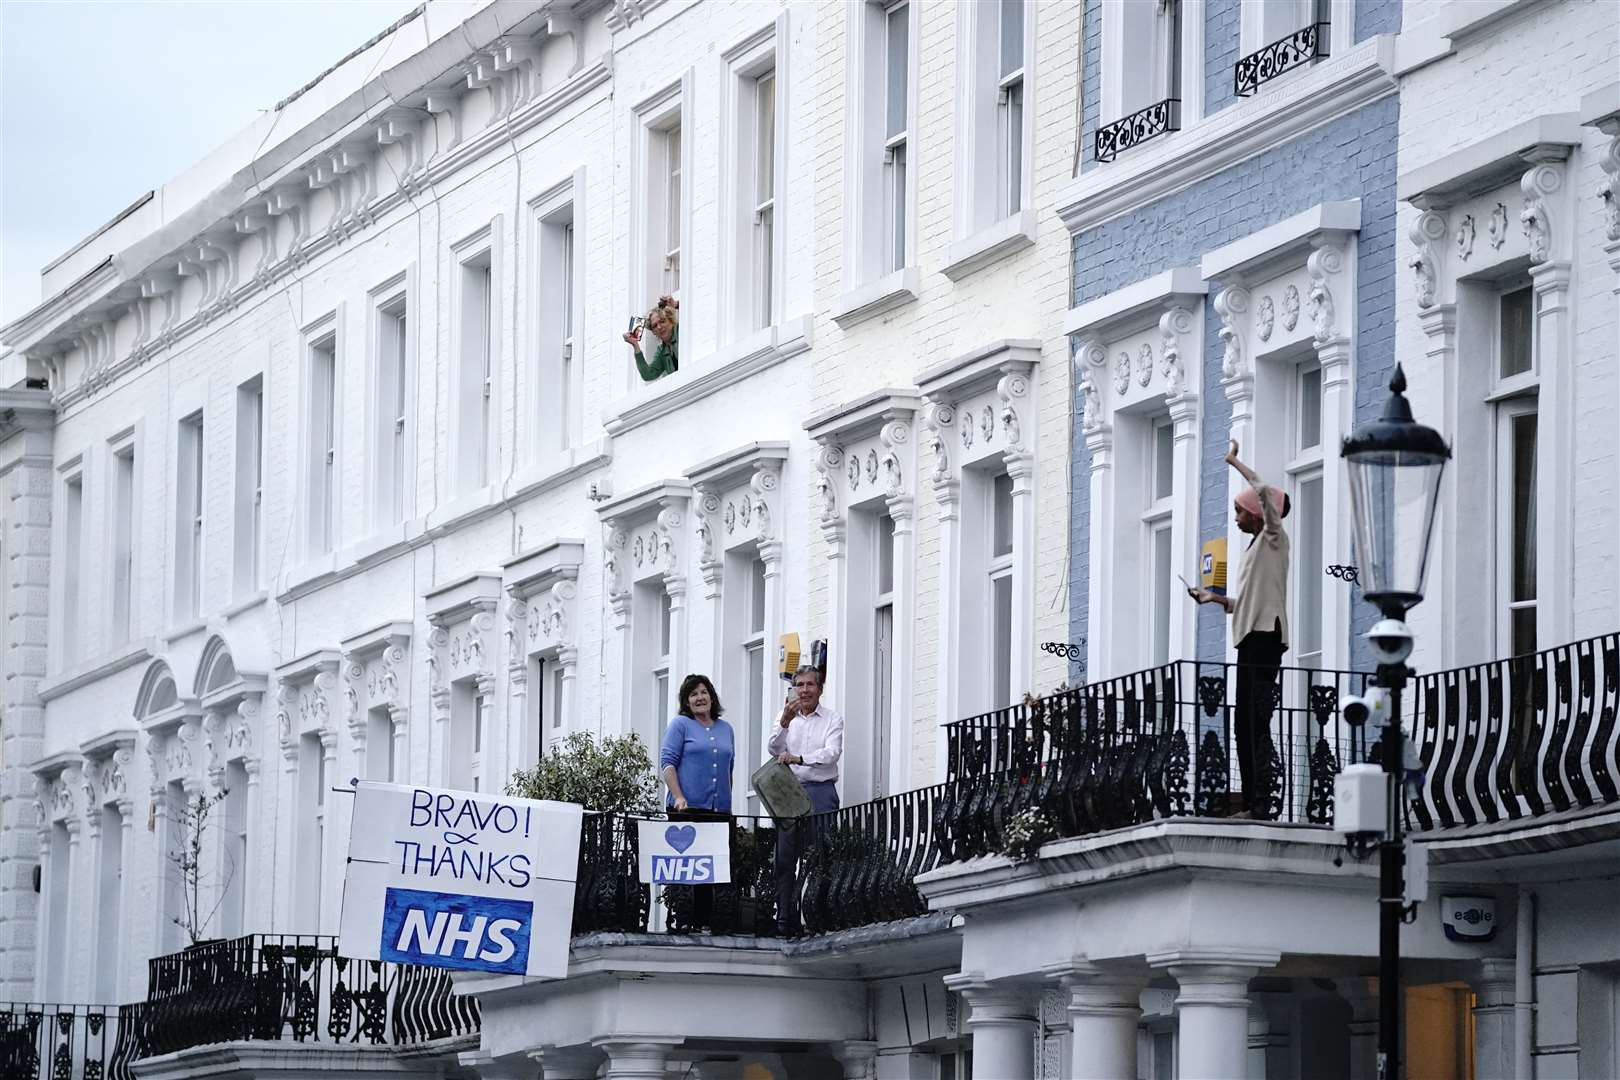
(613, 775)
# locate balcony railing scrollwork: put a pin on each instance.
(1280, 57)
(1520, 737)
(45, 1042)
(1158, 119)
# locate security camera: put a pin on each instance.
(1391, 641)
(1370, 708)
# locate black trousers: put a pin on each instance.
(1259, 655)
(790, 838)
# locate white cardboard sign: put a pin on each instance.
(684, 852)
(460, 879)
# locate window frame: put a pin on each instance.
(1124, 37)
(73, 478)
(123, 538)
(475, 433)
(191, 497)
(656, 117)
(1157, 516)
(882, 661)
(321, 426)
(1306, 464)
(998, 567)
(882, 184)
(1509, 398)
(248, 494)
(392, 400)
(753, 231)
(556, 291)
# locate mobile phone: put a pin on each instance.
(1190, 590)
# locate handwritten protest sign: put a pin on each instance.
(684, 853)
(460, 879)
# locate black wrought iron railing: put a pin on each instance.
(1152, 744)
(1520, 737)
(293, 989)
(853, 867)
(1111, 140)
(62, 1042)
(1280, 57)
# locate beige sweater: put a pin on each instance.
(1262, 600)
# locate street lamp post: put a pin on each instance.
(1394, 465)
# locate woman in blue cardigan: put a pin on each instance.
(699, 752)
(696, 762)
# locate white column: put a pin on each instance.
(255, 908)
(1492, 983)
(1018, 423)
(635, 1058)
(1105, 1007)
(1237, 379)
(1545, 222)
(1362, 996)
(42, 942)
(126, 960)
(1609, 192)
(834, 529)
(671, 525)
(1212, 1003)
(1001, 1018)
(332, 844)
(940, 417)
(438, 757)
(555, 1063)
(72, 908)
(90, 900)
(896, 437)
(1332, 271)
(286, 858)
(858, 1057)
(1273, 1026)
(517, 692)
(1186, 485)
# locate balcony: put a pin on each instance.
(1287, 54)
(1507, 741)
(1114, 139)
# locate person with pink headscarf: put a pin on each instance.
(1259, 621)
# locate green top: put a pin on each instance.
(663, 361)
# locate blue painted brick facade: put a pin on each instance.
(1353, 157)
(1223, 34)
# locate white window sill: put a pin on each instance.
(558, 467)
(97, 667)
(460, 511)
(184, 630)
(1015, 232)
(384, 543)
(246, 604)
(874, 298)
(730, 365)
(299, 578)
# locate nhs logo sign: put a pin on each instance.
(478, 933)
(684, 853)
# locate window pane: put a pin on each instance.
(1014, 148)
(1001, 516)
(1172, 82)
(556, 695)
(1524, 507)
(885, 554)
(663, 624)
(478, 723)
(896, 48)
(662, 692)
(1524, 630)
(1012, 36)
(1164, 461)
(765, 115)
(1163, 572)
(882, 684)
(1001, 641)
(1518, 316)
(897, 207)
(1310, 408)
(756, 597)
(1308, 617)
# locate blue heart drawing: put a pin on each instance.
(681, 837)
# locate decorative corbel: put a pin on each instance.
(518, 62)
(1609, 189)
(670, 523)
(765, 484)
(1324, 266)
(286, 701)
(517, 659)
(324, 174)
(355, 167)
(1429, 234)
(1173, 324)
(401, 129)
(480, 74)
(615, 544)
(829, 470)
(559, 24)
(90, 783)
(445, 101)
(940, 418)
(1090, 354)
(1542, 181)
(1232, 305)
(710, 565)
(289, 203)
(1013, 391)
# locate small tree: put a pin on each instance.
(613, 775)
(190, 826)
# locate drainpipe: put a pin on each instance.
(1524, 986)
